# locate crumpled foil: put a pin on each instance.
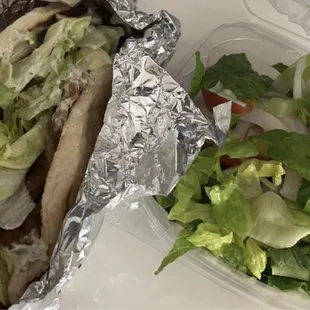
(152, 132)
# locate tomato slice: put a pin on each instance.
(227, 162)
(212, 100)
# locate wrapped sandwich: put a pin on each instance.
(55, 82)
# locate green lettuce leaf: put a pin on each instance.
(189, 187)
(255, 258)
(285, 81)
(301, 217)
(198, 78)
(239, 149)
(303, 197)
(186, 212)
(274, 223)
(25, 150)
(209, 236)
(304, 115)
(294, 77)
(265, 169)
(205, 164)
(235, 73)
(280, 148)
(280, 67)
(10, 180)
(181, 246)
(288, 284)
(61, 36)
(104, 37)
(290, 107)
(32, 106)
(88, 59)
(231, 210)
(248, 181)
(6, 96)
(166, 201)
(291, 263)
(233, 255)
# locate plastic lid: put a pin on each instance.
(297, 12)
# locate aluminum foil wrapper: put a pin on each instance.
(151, 134)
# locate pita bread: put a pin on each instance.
(75, 147)
(15, 32)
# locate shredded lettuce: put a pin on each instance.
(231, 209)
(255, 258)
(209, 236)
(32, 83)
(291, 263)
(181, 246)
(265, 169)
(187, 211)
(291, 149)
(274, 223)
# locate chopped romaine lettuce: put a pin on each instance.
(274, 223)
(181, 246)
(88, 59)
(235, 73)
(239, 149)
(187, 211)
(280, 67)
(25, 150)
(291, 263)
(198, 78)
(290, 148)
(255, 258)
(104, 37)
(231, 209)
(265, 169)
(233, 254)
(209, 236)
(248, 182)
(303, 197)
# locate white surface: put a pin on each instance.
(119, 272)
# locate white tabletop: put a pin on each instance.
(119, 273)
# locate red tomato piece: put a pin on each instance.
(212, 100)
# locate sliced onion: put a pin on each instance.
(242, 128)
(291, 185)
(264, 119)
(298, 80)
(255, 131)
(269, 185)
(295, 124)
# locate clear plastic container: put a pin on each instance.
(265, 44)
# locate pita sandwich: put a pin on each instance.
(55, 83)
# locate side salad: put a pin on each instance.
(248, 202)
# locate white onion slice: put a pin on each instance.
(298, 80)
(295, 124)
(269, 185)
(264, 119)
(291, 185)
(242, 128)
(255, 131)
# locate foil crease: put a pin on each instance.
(152, 132)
